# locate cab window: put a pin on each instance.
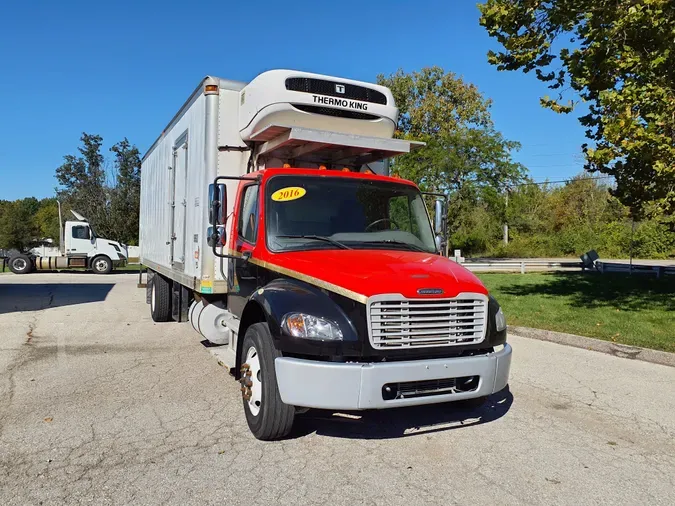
(248, 214)
(81, 232)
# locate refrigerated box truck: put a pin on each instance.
(269, 220)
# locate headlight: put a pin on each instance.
(500, 320)
(310, 327)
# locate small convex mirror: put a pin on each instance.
(219, 239)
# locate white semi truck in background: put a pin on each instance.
(270, 222)
(79, 248)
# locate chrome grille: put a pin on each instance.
(397, 322)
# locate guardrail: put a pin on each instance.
(524, 266)
(521, 266)
(658, 270)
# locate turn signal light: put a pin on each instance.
(211, 88)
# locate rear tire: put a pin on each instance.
(160, 299)
(20, 264)
(267, 416)
(101, 265)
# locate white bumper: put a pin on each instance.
(326, 385)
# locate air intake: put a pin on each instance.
(335, 89)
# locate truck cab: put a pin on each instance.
(79, 248)
(341, 273)
(99, 254)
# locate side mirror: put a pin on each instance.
(215, 236)
(217, 204)
(439, 214)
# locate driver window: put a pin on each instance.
(399, 214)
(81, 232)
(248, 214)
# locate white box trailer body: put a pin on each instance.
(229, 128)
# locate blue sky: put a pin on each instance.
(122, 68)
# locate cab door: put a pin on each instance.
(243, 275)
(79, 239)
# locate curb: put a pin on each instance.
(589, 343)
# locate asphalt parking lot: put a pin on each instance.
(99, 405)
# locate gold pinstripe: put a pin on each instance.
(358, 297)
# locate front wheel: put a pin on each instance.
(102, 265)
(267, 416)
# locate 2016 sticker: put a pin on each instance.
(290, 193)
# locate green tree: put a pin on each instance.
(110, 199)
(82, 181)
(618, 56)
(126, 196)
(17, 226)
(46, 220)
(464, 153)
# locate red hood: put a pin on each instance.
(372, 272)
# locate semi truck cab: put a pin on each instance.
(270, 222)
(79, 248)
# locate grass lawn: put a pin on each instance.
(638, 310)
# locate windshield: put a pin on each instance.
(310, 212)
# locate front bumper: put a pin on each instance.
(355, 386)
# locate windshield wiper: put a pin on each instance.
(316, 238)
(414, 247)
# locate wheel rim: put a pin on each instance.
(101, 264)
(152, 299)
(19, 264)
(254, 390)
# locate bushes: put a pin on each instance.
(565, 221)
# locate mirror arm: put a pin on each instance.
(216, 207)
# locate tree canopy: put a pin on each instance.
(618, 57)
(21, 225)
(465, 157)
(107, 194)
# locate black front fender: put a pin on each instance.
(282, 296)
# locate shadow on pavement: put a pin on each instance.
(35, 297)
(628, 292)
(402, 422)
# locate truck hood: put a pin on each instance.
(370, 272)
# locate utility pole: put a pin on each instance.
(506, 224)
(632, 231)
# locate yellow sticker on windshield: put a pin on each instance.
(290, 193)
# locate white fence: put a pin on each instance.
(524, 265)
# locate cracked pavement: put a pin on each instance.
(99, 405)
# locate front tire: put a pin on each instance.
(160, 299)
(101, 265)
(20, 264)
(267, 416)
